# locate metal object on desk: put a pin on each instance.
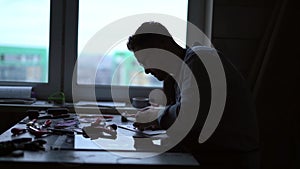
(66, 123)
(37, 132)
(61, 131)
(7, 147)
(43, 132)
(140, 102)
(31, 123)
(57, 111)
(54, 116)
(32, 114)
(17, 131)
(47, 123)
(63, 142)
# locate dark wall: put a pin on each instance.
(246, 31)
(239, 27)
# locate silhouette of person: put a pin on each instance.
(235, 142)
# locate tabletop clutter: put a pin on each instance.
(55, 122)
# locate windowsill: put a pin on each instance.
(42, 104)
(81, 108)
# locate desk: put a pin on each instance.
(92, 158)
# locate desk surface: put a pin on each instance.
(122, 150)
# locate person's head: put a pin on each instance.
(155, 42)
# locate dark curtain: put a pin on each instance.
(275, 80)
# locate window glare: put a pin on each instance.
(94, 15)
(24, 41)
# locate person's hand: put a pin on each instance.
(147, 118)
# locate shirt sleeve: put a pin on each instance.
(168, 116)
(187, 95)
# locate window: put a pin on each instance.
(42, 40)
(30, 44)
(24, 42)
(116, 65)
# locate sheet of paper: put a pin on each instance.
(81, 143)
(122, 142)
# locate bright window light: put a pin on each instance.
(24, 41)
(93, 16)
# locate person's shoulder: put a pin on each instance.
(199, 51)
(202, 49)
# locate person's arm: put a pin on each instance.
(168, 116)
(187, 99)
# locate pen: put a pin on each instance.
(101, 116)
(144, 109)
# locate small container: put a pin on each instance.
(140, 102)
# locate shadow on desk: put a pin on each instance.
(10, 118)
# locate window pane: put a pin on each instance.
(24, 41)
(118, 66)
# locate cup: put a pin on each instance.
(140, 102)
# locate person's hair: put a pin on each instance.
(155, 35)
(150, 35)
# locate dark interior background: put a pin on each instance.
(261, 38)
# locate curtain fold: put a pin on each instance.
(266, 46)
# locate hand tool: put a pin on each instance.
(17, 131)
(47, 123)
